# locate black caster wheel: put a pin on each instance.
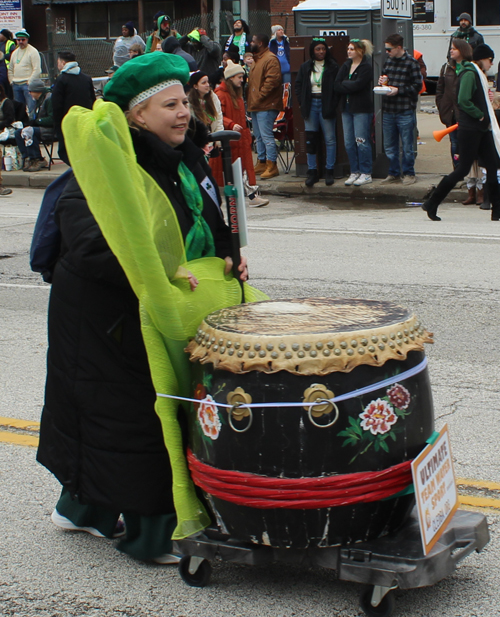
(384, 609)
(202, 575)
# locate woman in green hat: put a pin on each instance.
(142, 247)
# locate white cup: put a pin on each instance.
(7, 161)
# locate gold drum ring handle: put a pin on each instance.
(312, 415)
(238, 412)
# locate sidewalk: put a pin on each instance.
(433, 162)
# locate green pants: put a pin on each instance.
(146, 537)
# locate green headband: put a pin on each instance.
(318, 39)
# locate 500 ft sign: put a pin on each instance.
(397, 8)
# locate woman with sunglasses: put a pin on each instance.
(478, 131)
(314, 89)
(354, 84)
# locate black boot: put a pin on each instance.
(329, 177)
(431, 210)
(312, 177)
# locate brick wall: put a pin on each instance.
(281, 13)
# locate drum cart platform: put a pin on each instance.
(392, 562)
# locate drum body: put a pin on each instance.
(363, 433)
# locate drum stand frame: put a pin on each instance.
(387, 563)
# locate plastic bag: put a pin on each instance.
(15, 154)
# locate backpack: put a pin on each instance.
(46, 242)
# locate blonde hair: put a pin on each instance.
(364, 46)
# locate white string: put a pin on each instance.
(336, 399)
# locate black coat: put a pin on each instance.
(70, 90)
(358, 88)
(303, 89)
(100, 435)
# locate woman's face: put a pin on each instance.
(166, 115)
(319, 52)
(237, 80)
(455, 54)
(353, 53)
(203, 86)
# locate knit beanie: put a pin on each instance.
(130, 27)
(232, 69)
(275, 29)
(482, 52)
(22, 34)
(195, 77)
(465, 16)
(36, 85)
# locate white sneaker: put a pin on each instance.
(64, 523)
(351, 179)
(167, 559)
(363, 179)
(258, 202)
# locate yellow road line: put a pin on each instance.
(18, 439)
(26, 425)
(492, 486)
(479, 502)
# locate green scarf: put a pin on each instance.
(199, 241)
(141, 228)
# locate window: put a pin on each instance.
(151, 8)
(99, 20)
(458, 7)
(487, 13)
(119, 14)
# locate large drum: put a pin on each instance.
(310, 411)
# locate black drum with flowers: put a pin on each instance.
(309, 414)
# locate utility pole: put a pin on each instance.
(49, 20)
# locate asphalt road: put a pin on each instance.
(447, 272)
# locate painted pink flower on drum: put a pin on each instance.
(208, 417)
(378, 417)
(399, 396)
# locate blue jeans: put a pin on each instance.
(395, 127)
(358, 141)
(33, 151)
(262, 125)
(313, 123)
(22, 95)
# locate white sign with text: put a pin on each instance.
(397, 9)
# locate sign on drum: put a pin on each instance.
(397, 9)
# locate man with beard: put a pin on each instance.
(466, 32)
(162, 32)
(264, 102)
(240, 37)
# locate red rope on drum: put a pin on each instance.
(263, 492)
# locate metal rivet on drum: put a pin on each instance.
(343, 345)
(221, 341)
(203, 343)
(417, 324)
(215, 348)
(412, 328)
(207, 337)
(222, 350)
(381, 346)
(391, 345)
(361, 350)
(319, 345)
(350, 352)
(209, 344)
(405, 340)
(301, 354)
(412, 336)
(337, 352)
(326, 352)
(399, 342)
(374, 339)
(288, 355)
(230, 352)
(371, 348)
(262, 353)
(257, 346)
(246, 346)
(364, 342)
(269, 347)
(240, 354)
(295, 347)
(282, 346)
(251, 354)
(392, 335)
(330, 345)
(228, 344)
(384, 338)
(212, 340)
(400, 335)
(405, 331)
(236, 345)
(354, 343)
(313, 353)
(274, 355)
(307, 346)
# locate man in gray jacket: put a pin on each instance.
(207, 53)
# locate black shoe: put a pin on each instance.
(329, 177)
(431, 210)
(312, 177)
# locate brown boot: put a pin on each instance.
(479, 196)
(271, 171)
(260, 167)
(472, 197)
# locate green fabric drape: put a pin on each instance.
(141, 228)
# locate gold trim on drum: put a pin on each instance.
(318, 392)
(311, 354)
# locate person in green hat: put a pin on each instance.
(24, 66)
(207, 53)
(163, 31)
(100, 435)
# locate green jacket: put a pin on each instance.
(468, 86)
(158, 36)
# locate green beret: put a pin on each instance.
(141, 77)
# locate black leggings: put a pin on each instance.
(473, 145)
